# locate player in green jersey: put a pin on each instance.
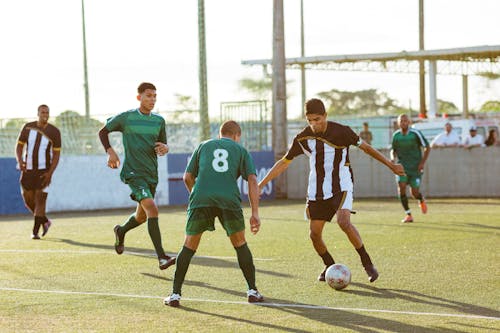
(407, 145)
(144, 138)
(211, 179)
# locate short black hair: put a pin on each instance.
(43, 106)
(145, 85)
(315, 106)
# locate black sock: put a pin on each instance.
(39, 220)
(154, 233)
(327, 258)
(245, 260)
(365, 257)
(404, 202)
(419, 197)
(131, 223)
(181, 266)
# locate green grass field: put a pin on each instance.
(439, 274)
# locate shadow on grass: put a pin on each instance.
(333, 317)
(419, 298)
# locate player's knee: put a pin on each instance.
(315, 236)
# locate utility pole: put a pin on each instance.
(202, 74)
(302, 54)
(85, 76)
(279, 122)
(421, 63)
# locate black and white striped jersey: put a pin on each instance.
(40, 142)
(328, 152)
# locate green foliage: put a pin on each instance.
(368, 102)
(261, 89)
(15, 123)
(447, 107)
(490, 106)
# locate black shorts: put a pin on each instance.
(32, 180)
(325, 209)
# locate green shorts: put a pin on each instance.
(141, 189)
(413, 180)
(202, 219)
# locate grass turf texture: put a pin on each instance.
(439, 274)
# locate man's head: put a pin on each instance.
(365, 126)
(316, 115)
(404, 122)
(147, 96)
(473, 131)
(230, 129)
(43, 114)
(448, 127)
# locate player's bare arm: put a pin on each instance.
(395, 167)
(113, 159)
(47, 177)
(253, 197)
(19, 156)
(161, 148)
(189, 181)
(278, 168)
(427, 151)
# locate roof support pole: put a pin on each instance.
(432, 89)
(465, 96)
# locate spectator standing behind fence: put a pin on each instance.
(492, 138)
(473, 139)
(448, 138)
(365, 134)
(43, 147)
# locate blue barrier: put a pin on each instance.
(11, 201)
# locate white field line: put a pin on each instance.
(113, 253)
(276, 305)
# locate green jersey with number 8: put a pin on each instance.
(217, 164)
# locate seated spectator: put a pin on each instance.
(448, 138)
(474, 139)
(492, 138)
(365, 134)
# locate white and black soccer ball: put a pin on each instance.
(338, 276)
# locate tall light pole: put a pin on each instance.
(85, 75)
(279, 122)
(421, 63)
(302, 54)
(202, 74)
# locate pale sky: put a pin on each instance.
(157, 41)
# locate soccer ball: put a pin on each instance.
(338, 276)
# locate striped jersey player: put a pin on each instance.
(330, 187)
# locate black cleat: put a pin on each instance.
(119, 240)
(321, 277)
(166, 262)
(372, 273)
(46, 227)
(35, 237)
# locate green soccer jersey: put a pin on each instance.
(139, 132)
(408, 149)
(217, 164)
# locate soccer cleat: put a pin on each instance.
(119, 241)
(35, 237)
(166, 262)
(407, 219)
(46, 227)
(423, 206)
(254, 296)
(372, 273)
(172, 300)
(321, 277)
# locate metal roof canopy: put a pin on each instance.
(458, 61)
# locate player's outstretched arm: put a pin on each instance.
(396, 168)
(253, 197)
(278, 168)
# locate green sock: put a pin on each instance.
(131, 223)
(154, 233)
(181, 266)
(245, 260)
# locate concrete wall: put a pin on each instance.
(449, 172)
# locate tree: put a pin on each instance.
(490, 106)
(447, 107)
(261, 89)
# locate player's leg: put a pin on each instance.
(133, 221)
(404, 199)
(344, 222)
(318, 213)
(415, 192)
(191, 243)
(29, 199)
(40, 210)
